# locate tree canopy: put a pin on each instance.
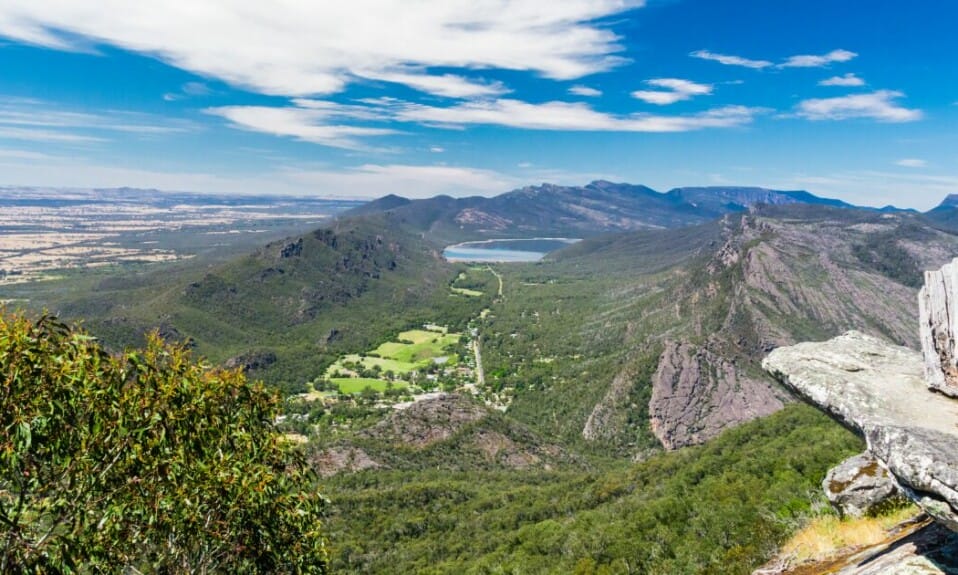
(145, 460)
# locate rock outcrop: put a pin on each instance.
(859, 485)
(342, 459)
(878, 390)
(427, 422)
(938, 321)
(697, 393)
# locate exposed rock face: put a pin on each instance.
(697, 393)
(600, 424)
(878, 390)
(251, 360)
(938, 321)
(859, 485)
(429, 421)
(342, 459)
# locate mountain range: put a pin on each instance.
(578, 211)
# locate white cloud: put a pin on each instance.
(586, 91)
(817, 61)
(848, 80)
(28, 155)
(911, 163)
(188, 90)
(437, 149)
(307, 124)
(309, 48)
(28, 119)
(319, 121)
(448, 85)
(566, 116)
(878, 105)
(731, 60)
(676, 91)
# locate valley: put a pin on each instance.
(597, 370)
(508, 287)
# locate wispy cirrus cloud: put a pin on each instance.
(317, 125)
(881, 105)
(912, 163)
(322, 122)
(731, 60)
(586, 91)
(676, 90)
(847, 80)
(798, 61)
(27, 119)
(448, 85)
(312, 48)
(818, 61)
(188, 90)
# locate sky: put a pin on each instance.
(844, 98)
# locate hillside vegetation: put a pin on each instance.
(286, 311)
(144, 462)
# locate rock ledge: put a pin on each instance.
(878, 390)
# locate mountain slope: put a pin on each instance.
(291, 307)
(582, 211)
(655, 337)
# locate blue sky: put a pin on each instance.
(844, 98)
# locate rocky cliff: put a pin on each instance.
(890, 395)
(781, 277)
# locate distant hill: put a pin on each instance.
(576, 211)
(945, 214)
(287, 309)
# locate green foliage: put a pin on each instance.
(884, 254)
(721, 508)
(305, 301)
(146, 460)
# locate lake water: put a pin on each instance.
(509, 250)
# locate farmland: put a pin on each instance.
(46, 232)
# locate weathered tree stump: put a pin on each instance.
(938, 324)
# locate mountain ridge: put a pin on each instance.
(598, 207)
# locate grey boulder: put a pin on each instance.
(859, 485)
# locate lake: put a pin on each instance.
(507, 250)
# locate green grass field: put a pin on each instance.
(413, 350)
(357, 384)
(467, 292)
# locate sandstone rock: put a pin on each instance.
(343, 459)
(697, 393)
(878, 390)
(859, 485)
(938, 326)
(427, 422)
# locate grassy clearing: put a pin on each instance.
(824, 536)
(368, 362)
(467, 292)
(357, 384)
(414, 350)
